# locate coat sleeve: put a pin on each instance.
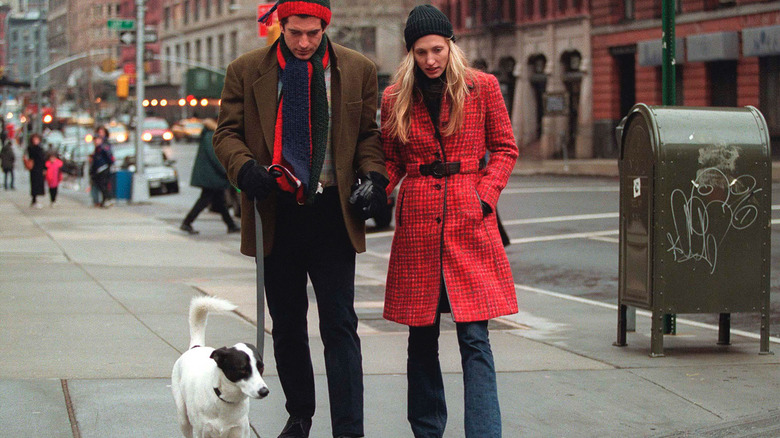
(229, 140)
(396, 167)
(500, 141)
(368, 152)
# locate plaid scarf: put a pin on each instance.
(302, 120)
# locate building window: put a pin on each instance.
(220, 7)
(628, 9)
(529, 8)
(195, 11)
(207, 9)
(232, 7)
(168, 64)
(221, 49)
(187, 53)
(209, 51)
(186, 12)
(197, 50)
(233, 44)
(542, 8)
(167, 17)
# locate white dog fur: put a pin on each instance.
(211, 387)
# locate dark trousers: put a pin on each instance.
(102, 182)
(7, 173)
(426, 405)
(215, 197)
(313, 240)
(53, 194)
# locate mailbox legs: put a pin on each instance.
(764, 342)
(724, 329)
(621, 326)
(657, 334)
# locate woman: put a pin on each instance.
(35, 153)
(7, 160)
(210, 176)
(100, 169)
(439, 118)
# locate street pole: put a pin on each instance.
(140, 191)
(668, 79)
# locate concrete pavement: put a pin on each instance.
(93, 306)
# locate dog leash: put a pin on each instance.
(260, 281)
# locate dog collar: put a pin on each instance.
(219, 396)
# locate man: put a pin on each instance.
(306, 108)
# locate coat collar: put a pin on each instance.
(265, 89)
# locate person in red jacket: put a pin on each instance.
(53, 176)
(439, 118)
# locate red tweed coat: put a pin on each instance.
(440, 228)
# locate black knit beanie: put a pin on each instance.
(426, 20)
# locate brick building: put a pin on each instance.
(728, 54)
(540, 52)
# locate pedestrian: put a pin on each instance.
(209, 175)
(8, 158)
(100, 169)
(37, 167)
(53, 176)
(307, 107)
(439, 118)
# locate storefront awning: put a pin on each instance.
(650, 52)
(761, 41)
(720, 46)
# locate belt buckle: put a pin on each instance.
(438, 169)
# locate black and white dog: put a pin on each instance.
(212, 387)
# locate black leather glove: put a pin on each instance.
(486, 208)
(369, 196)
(255, 180)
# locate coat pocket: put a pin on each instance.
(400, 208)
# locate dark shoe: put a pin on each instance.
(296, 428)
(234, 229)
(188, 228)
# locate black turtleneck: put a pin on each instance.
(432, 91)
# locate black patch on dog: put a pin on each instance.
(258, 359)
(234, 363)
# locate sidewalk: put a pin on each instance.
(93, 313)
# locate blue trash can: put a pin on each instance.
(123, 184)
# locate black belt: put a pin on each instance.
(439, 169)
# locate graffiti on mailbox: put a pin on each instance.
(715, 205)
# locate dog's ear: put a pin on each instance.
(218, 355)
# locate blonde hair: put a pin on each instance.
(457, 86)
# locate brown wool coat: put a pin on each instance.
(247, 117)
(440, 228)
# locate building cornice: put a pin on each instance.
(691, 17)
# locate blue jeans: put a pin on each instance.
(427, 409)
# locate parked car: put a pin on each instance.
(160, 172)
(156, 130)
(187, 129)
(117, 133)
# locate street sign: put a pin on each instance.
(120, 24)
(127, 37)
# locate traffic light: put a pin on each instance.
(122, 86)
(47, 118)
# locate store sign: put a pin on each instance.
(720, 46)
(761, 41)
(651, 52)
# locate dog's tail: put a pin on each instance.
(199, 312)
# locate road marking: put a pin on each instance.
(544, 220)
(532, 190)
(641, 312)
(591, 235)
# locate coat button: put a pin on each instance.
(437, 186)
(438, 220)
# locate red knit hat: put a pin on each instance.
(286, 8)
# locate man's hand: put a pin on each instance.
(256, 181)
(369, 196)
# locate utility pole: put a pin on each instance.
(668, 78)
(140, 191)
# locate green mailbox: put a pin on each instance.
(695, 222)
